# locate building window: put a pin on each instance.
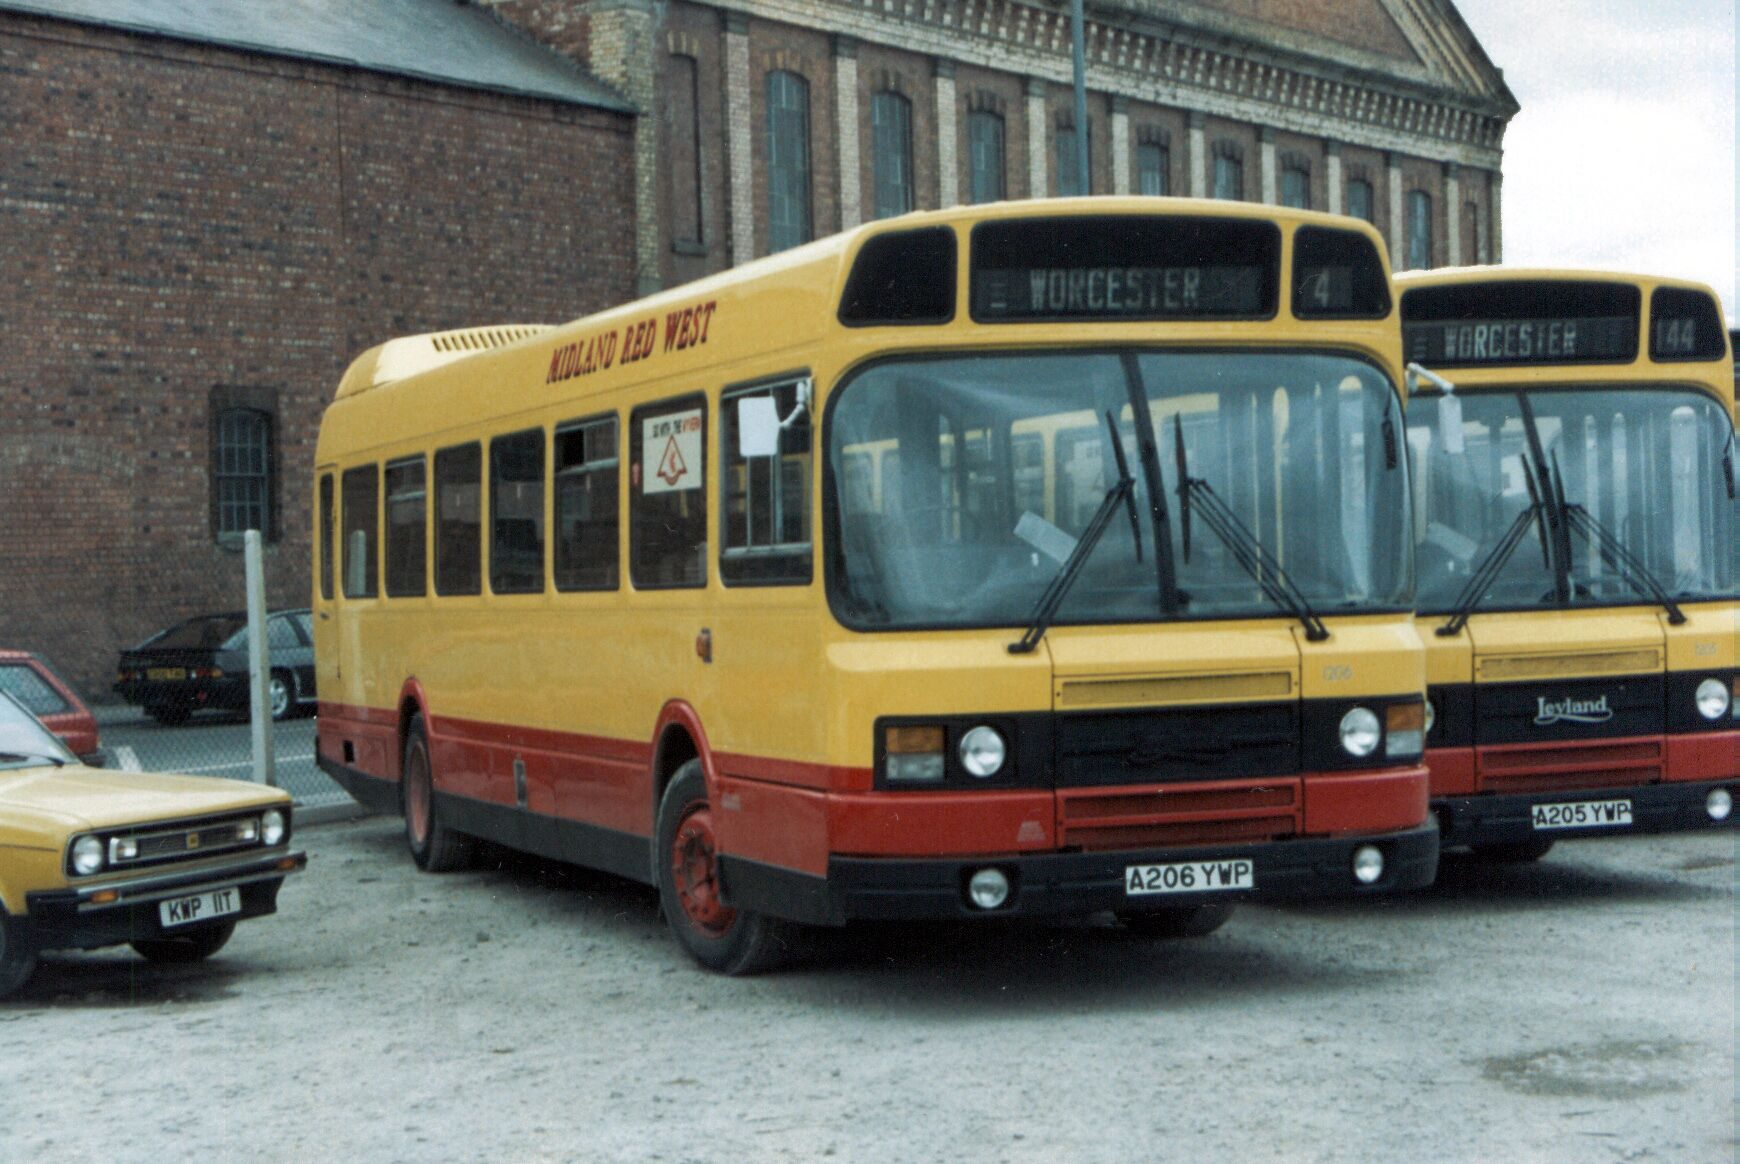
(1153, 161)
(1229, 171)
(766, 524)
(1070, 181)
(586, 461)
(668, 500)
(683, 143)
(985, 157)
(1296, 187)
(406, 532)
(516, 513)
(1359, 199)
(459, 520)
(1419, 229)
(361, 491)
(1473, 244)
(788, 161)
(891, 126)
(242, 474)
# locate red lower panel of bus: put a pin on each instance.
(1573, 766)
(1705, 756)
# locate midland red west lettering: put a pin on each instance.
(636, 341)
(582, 357)
(688, 327)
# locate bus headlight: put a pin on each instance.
(1404, 730)
(983, 751)
(1713, 699)
(913, 755)
(1431, 716)
(87, 856)
(1360, 731)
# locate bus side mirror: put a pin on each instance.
(757, 427)
(1449, 406)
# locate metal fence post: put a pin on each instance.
(259, 664)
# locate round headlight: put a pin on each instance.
(983, 751)
(1368, 864)
(87, 856)
(1712, 699)
(989, 889)
(1719, 803)
(272, 827)
(1360, 731)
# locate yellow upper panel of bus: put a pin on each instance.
(1657, 329)
(793, 299)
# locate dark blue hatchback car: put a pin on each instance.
(203, 663)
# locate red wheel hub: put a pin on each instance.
(695, 873)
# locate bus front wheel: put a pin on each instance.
(719, 936)
(435, 847)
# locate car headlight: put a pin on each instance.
(271, 827)
(1360, 731)
(983, 751)
(87, 856)
(1712, 699)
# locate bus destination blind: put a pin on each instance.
(1114, 292)
(1545, 340)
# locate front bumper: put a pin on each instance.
(71, 919)
(1501, 819)
(1077, 884)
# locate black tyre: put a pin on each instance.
(720, 937)
(435, 847)
(169, 714)
(281, 695)
(1187, 921)
(17, 954)
(194, 946)
(1514, 852)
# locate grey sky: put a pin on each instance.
(1623, 154)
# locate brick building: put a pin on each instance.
(208, 210)
(773, 121)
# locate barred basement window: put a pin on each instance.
(242, 474)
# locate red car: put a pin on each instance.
(29, 679)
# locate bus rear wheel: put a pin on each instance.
(1186, 921)
(435, 847)
(719, 936)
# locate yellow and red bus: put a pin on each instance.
(1038, 559)
(1576, 522)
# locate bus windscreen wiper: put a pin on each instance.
(1613, 552)
(1486, 573)
(1121, 492)
(1247, 550)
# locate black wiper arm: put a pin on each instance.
(1247, 550)
(1622, 560)
(1046, 609)
(1487, 572)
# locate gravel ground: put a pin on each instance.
(1579, 1010)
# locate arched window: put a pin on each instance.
(241, 474)
(1359, 199)
(1419, 229)
(788, 161)
(891, 126)
(985, 157)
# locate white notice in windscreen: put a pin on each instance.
(1044, 537)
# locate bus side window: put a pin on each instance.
(586, 475)
(406, 535)
(324, 549)
(458, 520)
(362, 488)
(516, 513)
(766, 526)
(667, 476)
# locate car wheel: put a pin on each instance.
(195, 946)
(1190, 921)
(17, 954)
(720, 937)
(435, 847)
(1513, 852)
(281, 694)
(169, 714)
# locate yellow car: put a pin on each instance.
(92, 857)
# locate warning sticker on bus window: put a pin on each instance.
(670, 452)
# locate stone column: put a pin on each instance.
(738, 140)
(948, 151)
(1120, 145)
(1398, 214)
(1332, 176)
(846, 128)
(1198, 155)
(1038, 141)
(1266, 142)
(1453, 214)
(1496, 230)
(621, 51)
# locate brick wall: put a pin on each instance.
(186, 221)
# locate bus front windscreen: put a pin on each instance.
(961, 485)
(1642, 470)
